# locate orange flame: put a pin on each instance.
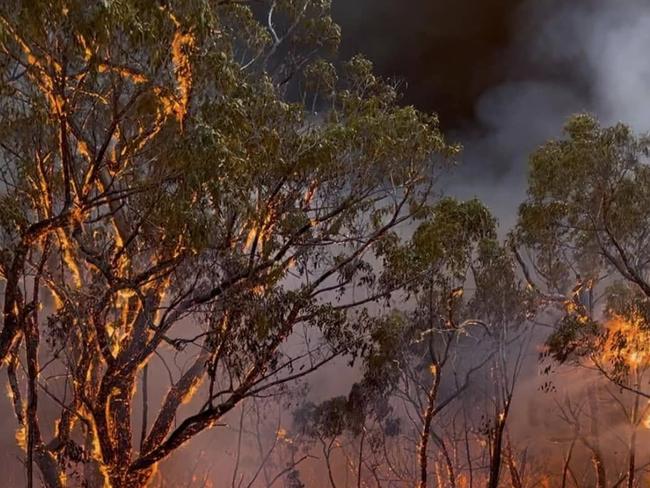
(627, 341)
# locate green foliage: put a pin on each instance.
(449, 235)
(443, 245)
(499, 296)
(573, 339)
(587, 203)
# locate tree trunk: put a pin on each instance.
(426, 428)
(515, 477)
(597, 456)
(120, 478)
(631, 461)
(497, 448)
(631, 467)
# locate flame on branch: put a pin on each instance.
(627, 342)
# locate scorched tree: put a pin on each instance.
(192, 176)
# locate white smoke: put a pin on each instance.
(568, 56)
(607, 43)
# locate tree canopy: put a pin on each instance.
(196, 176)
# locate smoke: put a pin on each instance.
(565, 57)
(447, 52)
(605, 45)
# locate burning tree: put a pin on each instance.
(194, 177)
(585, 229)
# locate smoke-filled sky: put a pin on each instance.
(505, 74)
(447, 51)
